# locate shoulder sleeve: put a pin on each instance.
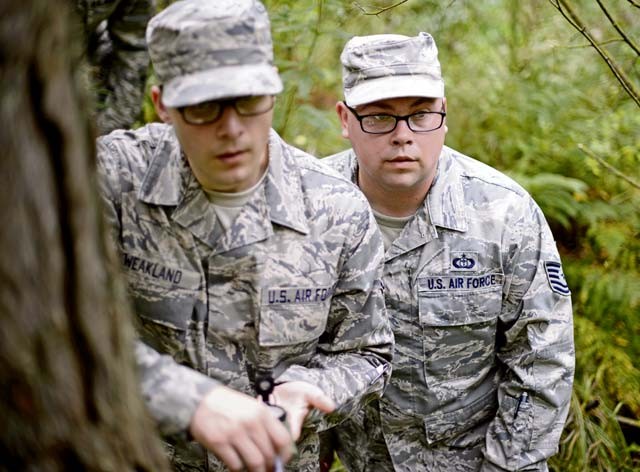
(171, 392)
(353, 360)
(110, 188)
(535, 345)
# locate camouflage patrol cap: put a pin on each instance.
(207, 50)
(385, 66)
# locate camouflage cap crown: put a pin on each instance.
(385, 66)
(207, 50)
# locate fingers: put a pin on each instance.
(280, 438)
(308, 394)
(311, 398)
(256, 449)
(253, 458)
(258, 453)
(240, 430)
(299, 398)
(273, 440)
(320, 401)
(230, 457)
(295, 419)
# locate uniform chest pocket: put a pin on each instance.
(459, 316)
(165, 300)
(286, 325)
(163, 320)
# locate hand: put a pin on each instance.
(240, 430)
(298, 398)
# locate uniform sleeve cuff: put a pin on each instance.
(171, 392)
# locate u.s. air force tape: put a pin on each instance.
(459, 283)
(295, 295)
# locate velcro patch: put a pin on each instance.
(556, 279)
(295, 295)
(459, 283)
(169, 275)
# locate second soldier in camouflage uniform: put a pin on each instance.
(484, 357)
(116, 49)
(242, 253)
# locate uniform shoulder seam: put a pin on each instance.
(491, 176)
(313, 164)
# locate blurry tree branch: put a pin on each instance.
(566, 9)
(380, 10)
(608, 166)
(621, 32)
(602, 43)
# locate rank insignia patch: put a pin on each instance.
(556, 279)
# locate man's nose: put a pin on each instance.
(402, 134)
(230, 123)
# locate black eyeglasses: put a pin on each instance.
(208, 112)
(382, 123)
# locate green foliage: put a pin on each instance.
(559, 197)
(593, 438)
(307, 43)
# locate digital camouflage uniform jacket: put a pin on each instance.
(114, 32)
(484, 358)
(292, 286)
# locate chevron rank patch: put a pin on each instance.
(556, 279)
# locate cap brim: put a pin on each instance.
(384, 88)
(221, 82)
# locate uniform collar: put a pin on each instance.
(283, 187)
(168, 173)
(170, 182)
(445, 200)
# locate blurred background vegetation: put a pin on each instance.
(529, 95)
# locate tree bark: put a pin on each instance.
(69, 393)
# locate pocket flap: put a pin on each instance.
(441, 426)
(291, 324)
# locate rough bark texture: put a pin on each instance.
(69, 395)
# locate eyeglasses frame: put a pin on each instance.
(232, 102)
(398, 118)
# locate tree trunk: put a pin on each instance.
(69, 394)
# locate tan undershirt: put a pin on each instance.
(228, 205)
(390, 227)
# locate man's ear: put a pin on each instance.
(161, 110)
(444, 108)
(343, 115)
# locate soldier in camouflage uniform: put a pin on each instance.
(481, 313)
(243, 255)
(116, 49)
